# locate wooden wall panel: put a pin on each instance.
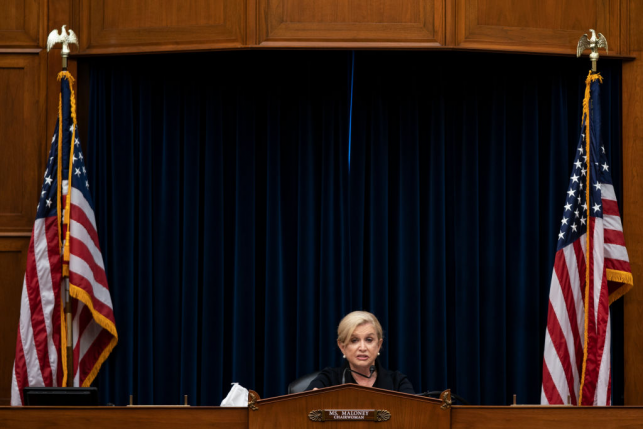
(552, 26)
(22, 146)
(29, 90)
(59, 14)
(22, 124)
(136, 26)
(13, 260)
(124, 26)
(22, 23)
(633, 200)
(358, 23)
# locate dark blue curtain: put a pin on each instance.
(236, 233)
(457, 178)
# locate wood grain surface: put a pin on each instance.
(287, 413)
(407, 411)
(633, 204)
(541, 417)
(532, 25)
(22, 124)
(133, 26)
(542, 26)
(13, 256)
(123, 417)
(401, 21)
(29, 90)
(143, 25)
(22, 23)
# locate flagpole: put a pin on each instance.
(593, 43)
(70, 345)
(66, 38)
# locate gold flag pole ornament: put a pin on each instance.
(592, 43)
(66, 38)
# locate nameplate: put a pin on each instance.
(349, 415)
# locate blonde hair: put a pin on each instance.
(355, 319)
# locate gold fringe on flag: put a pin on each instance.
(65, 250)
(81, 295)
(75, 291)
(591, 77)
(619, 277)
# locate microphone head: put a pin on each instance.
(372, 369)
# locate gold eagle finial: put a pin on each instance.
(593, 43)
(66, 38)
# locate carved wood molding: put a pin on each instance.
(23, 24)
(533, 26)
(136, 26)
(22, 122)
(386, 21)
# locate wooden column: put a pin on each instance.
(632, 13)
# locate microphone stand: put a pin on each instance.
(438, 392)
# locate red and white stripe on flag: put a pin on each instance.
(64, 242)
(591, 270)
(94, 328)
(38, 341)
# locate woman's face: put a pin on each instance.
(362, 348)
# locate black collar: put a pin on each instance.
(349, 375)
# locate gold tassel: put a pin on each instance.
(590, 78)
(65, 250)
(619, 277)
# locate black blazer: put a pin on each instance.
(389, 380)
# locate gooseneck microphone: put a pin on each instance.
(348, 368)
(437, 393)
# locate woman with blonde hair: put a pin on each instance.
(360, 337)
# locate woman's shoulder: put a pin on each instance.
(402, 383)
(327, 377)
(394, 374)
(332, 370)
(399, 381)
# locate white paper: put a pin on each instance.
(238, 397)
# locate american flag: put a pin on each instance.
(591, 270)
(64, 242)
